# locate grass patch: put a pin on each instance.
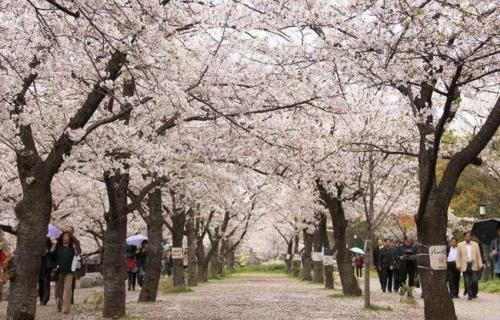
(176, 290)
(492, 286)
(271, 266)
(338, 296)
(379, 308)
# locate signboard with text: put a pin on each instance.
(176, 253)
(316, 256)
(437, 257)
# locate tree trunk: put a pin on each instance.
(350, 285)
(202, 261)
(296, 264)
(155, 248)
(432, 231)
(192, 280)
(231, 260)
(334, 205)
(307, 259)
(178, 222)
(289, 251)
(329, 281)
(114, 273)
(33, 213)
(214, 261)
(317, 265)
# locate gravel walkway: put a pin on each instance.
(261, 297)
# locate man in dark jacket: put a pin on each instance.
(386, 265)
(406, 255)
(63, 251)
(46, 266)
(376, 255)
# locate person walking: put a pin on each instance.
(131, 265)
(78, 252)
(63, 251)
(407, 254)
(386, 265)
(397, 270)
(359, 266)
(376, 256)
(495, 253)
(142, 255)
(469, 262)
(453, 273)
(44, 278)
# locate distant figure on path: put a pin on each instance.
(386, 265)
(359, 265)
(78, 252)
(63, 251)
(142, 255)
(407, 254)
(376, 256)
(469, 262)
(46, 266)
(131, 265)
(495, 253)
(453, 273)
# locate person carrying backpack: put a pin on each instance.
(131, 266)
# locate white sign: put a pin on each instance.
(437, 257)
(328, 260)
(316, 256)
(296, 257)
(176, 252)
(288, 257)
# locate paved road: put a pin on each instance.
(262, 297)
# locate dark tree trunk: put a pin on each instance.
(178, 222)
(192, 279)
(329, 281)
(432, 231)
(33, 213)
(202, 261)
(334, 205)
(289, 251)
(323, 235)
(295, 263)
(307, 259)
(214, 261)
(154, 223)
(317, 265)
(231, 260)
(114, 273)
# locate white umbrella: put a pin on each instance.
(136, 240)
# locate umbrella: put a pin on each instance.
(485, 230)
(357, 250)
(53, 231)
(136, 240)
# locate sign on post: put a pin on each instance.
(316, 256)
(176, 252)
(328, 260)
(437, 257)
(296, 257)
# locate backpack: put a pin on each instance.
(131, 264)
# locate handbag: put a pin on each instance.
(54, 274)
(75, 264)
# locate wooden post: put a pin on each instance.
(367, 273)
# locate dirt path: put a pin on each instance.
(265, 296)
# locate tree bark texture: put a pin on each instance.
(317, 265)
(178, 222)
(192, 277)
(154, 223)
(307, 256)
(296, 264)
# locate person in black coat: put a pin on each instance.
(44, 278)
(386, 265)
(376, 255)
(406, 255)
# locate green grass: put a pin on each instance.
(378, 308)
(338, 296)
(492, 286)
(272, 266)
(176, 290)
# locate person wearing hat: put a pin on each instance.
(495, 253)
